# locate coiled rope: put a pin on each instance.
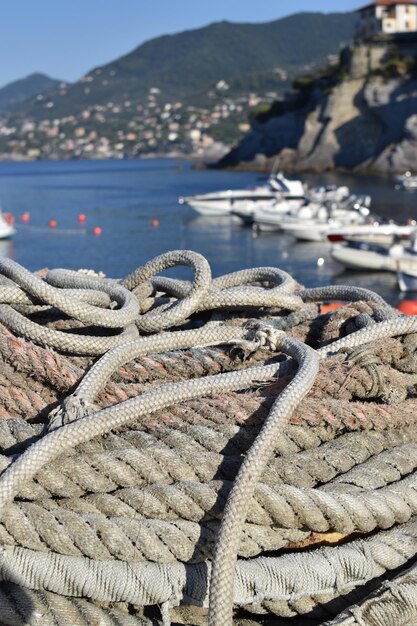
(150, 480)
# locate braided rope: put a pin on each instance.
(285, 579)
(133, 471)
(394, 603)
(41, 290)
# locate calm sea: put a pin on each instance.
(122, 197)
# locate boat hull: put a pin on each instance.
(6, 231)
(383, 234)
(305, 232)
(246, 217)
(268, 227)
(356, 259)
(226, 202)
(210, 209)
(271, 219)
(407, 282)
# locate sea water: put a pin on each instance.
(135, 203)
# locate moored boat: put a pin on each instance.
(224, 202)
(268, 217)
(6, 230)
(407, 267)
(313, 221)
(374, 232)
(360, 255)
(407, 279)
(407, 181)
(267, 213)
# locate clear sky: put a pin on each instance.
(66, 38)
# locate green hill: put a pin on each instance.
(193, 61)
(20, 90)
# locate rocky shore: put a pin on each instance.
(358, 116)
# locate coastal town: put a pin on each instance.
(131, 129)
(204, 126)
(122, 124)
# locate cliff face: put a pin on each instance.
(361, 122)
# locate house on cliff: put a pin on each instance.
(387, 19)
(360, 115)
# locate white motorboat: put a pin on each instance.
(289, 189)
(400, 254)
(268, 216)
(251, 213)
(383, 234)
(361, 255)
(407, 181)
(328, 193)
(407, 267)
(313, 221)
(312, 229)
(224, 202)
(6, 229)
(269, 220)
(407, 280)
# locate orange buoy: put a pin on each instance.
(328, 307)
(25, 217)
(97, 230)
(81, 218)
(9, 217)
(408, 307)
(154, 223)
(52, 223)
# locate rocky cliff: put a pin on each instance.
(360, 115)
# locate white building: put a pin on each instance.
(387, 17)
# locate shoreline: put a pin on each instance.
(199, 163)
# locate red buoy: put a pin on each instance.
(25, 217)
(52, 223)
(97, 230)
(154, 223)
(408, 307)
(328, 307)
(9, 217)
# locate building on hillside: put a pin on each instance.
(384, 18)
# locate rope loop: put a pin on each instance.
(156, 320)
(44, 291)
(166, 473)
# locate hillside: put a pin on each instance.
(20, 90)
(359, 115)
(193, 61)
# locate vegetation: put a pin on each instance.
(396, 65)
(291, 102)
(176, 93)
(20, 90)
(324, 80)
(193, 61)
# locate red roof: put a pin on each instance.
(387, 3)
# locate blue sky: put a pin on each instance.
(65, 38)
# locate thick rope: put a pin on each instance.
(287, 579)
(139, 466)
(21, 606)
(274, 510)
(137, 459)
(394, 604)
